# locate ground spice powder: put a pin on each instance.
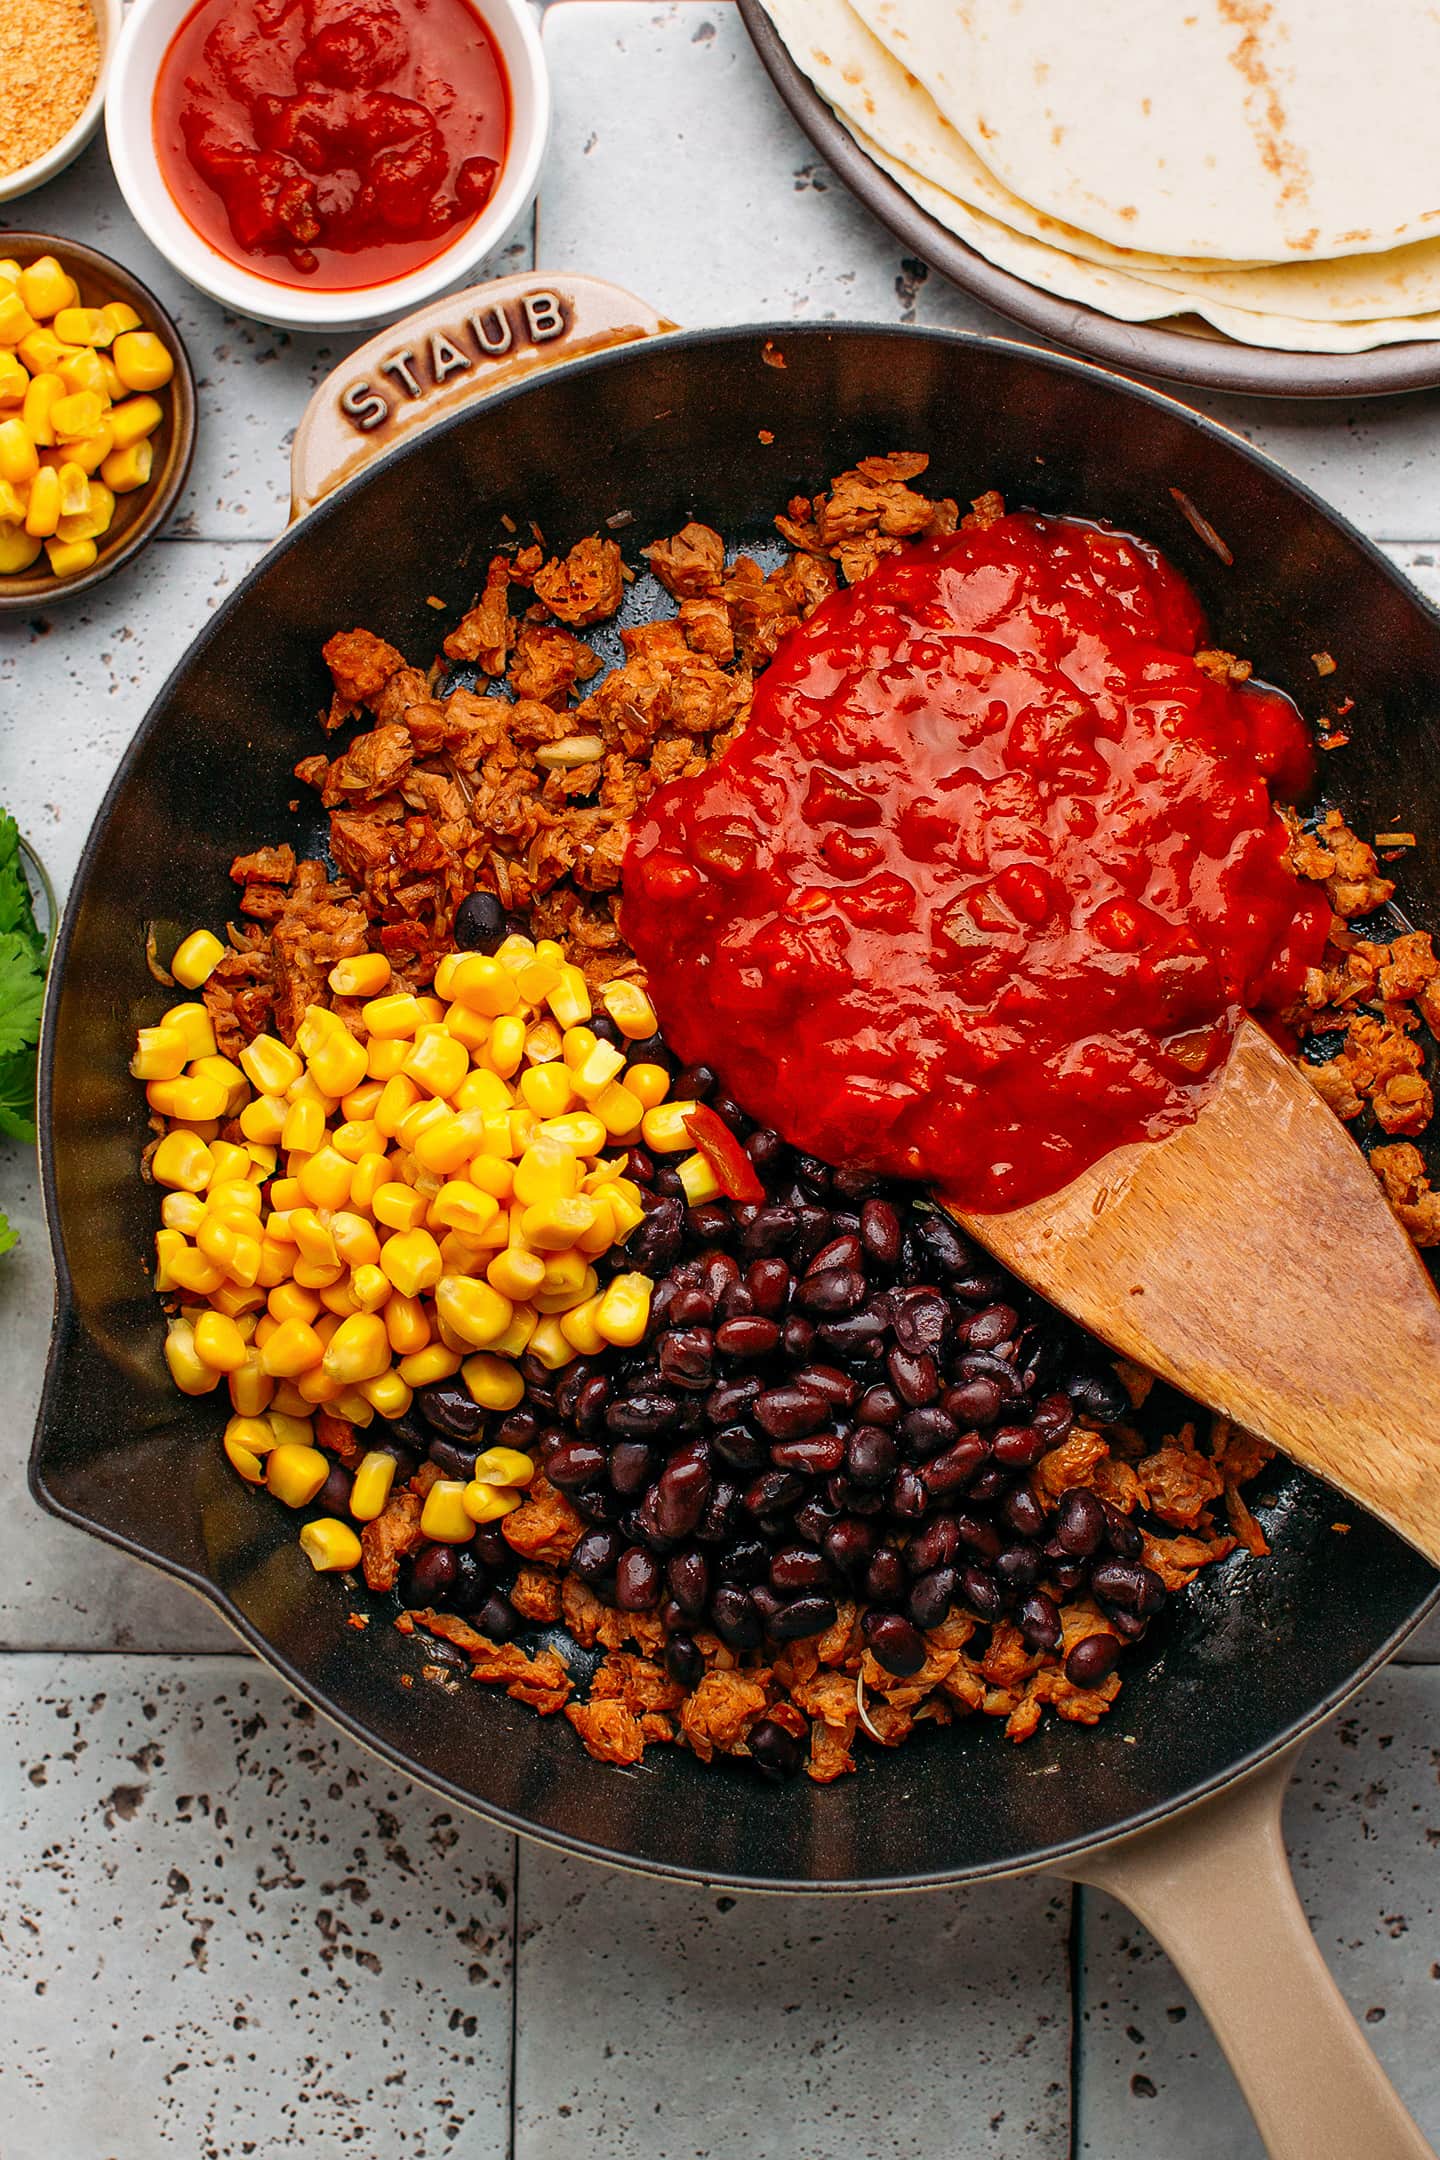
(49, 60)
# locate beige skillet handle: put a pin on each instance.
(463, 346)
(1213, 1885)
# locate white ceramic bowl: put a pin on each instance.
(142, 45)
(58, 156)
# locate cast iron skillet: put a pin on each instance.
(651, 434)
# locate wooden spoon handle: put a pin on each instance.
(1252, 1260)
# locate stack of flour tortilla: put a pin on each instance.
(1271, 166)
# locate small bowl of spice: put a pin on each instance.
(54, 58)
(326, 168)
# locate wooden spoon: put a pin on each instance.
(1252, 1260)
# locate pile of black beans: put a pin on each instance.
(838, 1396)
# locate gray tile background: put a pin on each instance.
(226, 1931)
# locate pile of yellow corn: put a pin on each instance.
(447, 1184)
(76, 415)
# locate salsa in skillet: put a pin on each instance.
(985, 885)
(331, 143)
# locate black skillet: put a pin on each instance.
(726, 425)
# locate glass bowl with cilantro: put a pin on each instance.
(24, 952)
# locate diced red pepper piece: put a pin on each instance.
(734, 1171)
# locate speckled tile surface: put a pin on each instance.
(1363, 1823)
(700, 2026)
(223, 1930)
(227, 1932)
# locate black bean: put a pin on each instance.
(740, 1448)
(1067, 1574)
(817, 1455)
(687, 1575)
(1052, 1418)
(334, 1494)
(797, 1337)
(880, 1232)
(841, 1252)
(908, 1497)
(955, 1469)
(871, 1455)
(1121, 1534)
(590, 1401)
(654, 1244)
(834, 1291)
(1018, 1566)
(934, 1546)
(471, 1586)
(732, 1402)
(432, 1573)
(847, 1546)
(449, 1407)
(939, 1239)
(744, 1561)
(718, 1519)
(885, 1576)
(916, 1380)
(641, 1416)
(1127, 1584)
(1128, 1626)
(632, 1467)
(576, 1463)
(1039, 1621)
(992, 1325)
(921, 1320)
(680, 1496)
(637, 1580)
(856, 1335)
(977, 1534)
(990, 1482)
(480, 922)
(687, 1357)
(710, 1224)
(683, 1661)
(1017, 1446)
(596, 1555)
(829, 1383)
(1097, 1395)
(879, 1406)
(798, 1567)
(926, 1432)
(931, 1596)
(1092, 1660)
(981, 1592)
(767, 1151)
(498, 1618)
(973, 1402)
(735, 1617)
(775, 1752)
(518, 1430)
(788, 1412)
(1079, 1522)
(894, 1642)
(812, 1172)
(694, 1082)
(800, 1617)
(489, 1546)
(774, 1492)
(770, 1231)
(1023, 1512)
(769, 1283)
(748, 1337)
(977, 1286)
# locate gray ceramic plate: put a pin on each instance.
(1196, 355)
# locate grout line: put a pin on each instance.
(1075, 1958)
(514, 2000)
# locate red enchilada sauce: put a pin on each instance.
(987, 882)
(331, 143)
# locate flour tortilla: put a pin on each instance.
(868, 88)
(1130, 298)
(1241, 130)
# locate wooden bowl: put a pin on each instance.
(141, 515)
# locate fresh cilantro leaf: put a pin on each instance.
(7, 1235)
(22, 993)
(17, 1096)
(16, 912)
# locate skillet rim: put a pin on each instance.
(67, 1322)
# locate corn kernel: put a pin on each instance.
(364, 975)
(602, 1066)
(395, 1015)
(388, 1393)
(193, 1270)
(438, 1063)
(487, 1503)
(359, 1107)
(304, 1127)
(324, 1178)
(412, 1260)
(577, 1046)
(42, 512)
(219, 1343)
(339, 1298)
(74, 413)
(188, 1372)
(251, 1388)
(663, 1129)
(125, 470)
(194, 1022)
(295, 1473)
(472, 1310)
(368, 1175)
(289, 1301)
(547, 1090)
(577, 1325)
(354, 1239)
(581, 1132)
(554, 1225)
(447, 1144)
(330, 1546)
(433, 1110)
(383, 1059)
(230, 1165)
(118, 315)
(169, 1243)
(74, 493)
(370, 1287)
(546, 1171)
(140, 357)
(196, 959)
(46, 287)
(182, 1211)
(374, 1476)
(569, 1001)
(293, 1349)
(16, 321)
(241, 1306)
(482, 984)
(494, 1382)
(45, 390)
(699, 1180)
(422, 1368)
(484, 1091)
(543, 1042)
(230, 1077)
(398, 1207)
(460, 1205)
(504, 1466)
(358, 1350)
(182, 1161)
(567, 1277)
(241, 1456)
(621, 1111)
(549, 1345)
(14, 379)
(82, 326)
(407, 1325)
(515, 1273)
(443, 1516)
(506, 1046)
(317, 1389)
(17, 549)
(338, 1064)
(270, 1064)
(624, 1312)
(630, 1009)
